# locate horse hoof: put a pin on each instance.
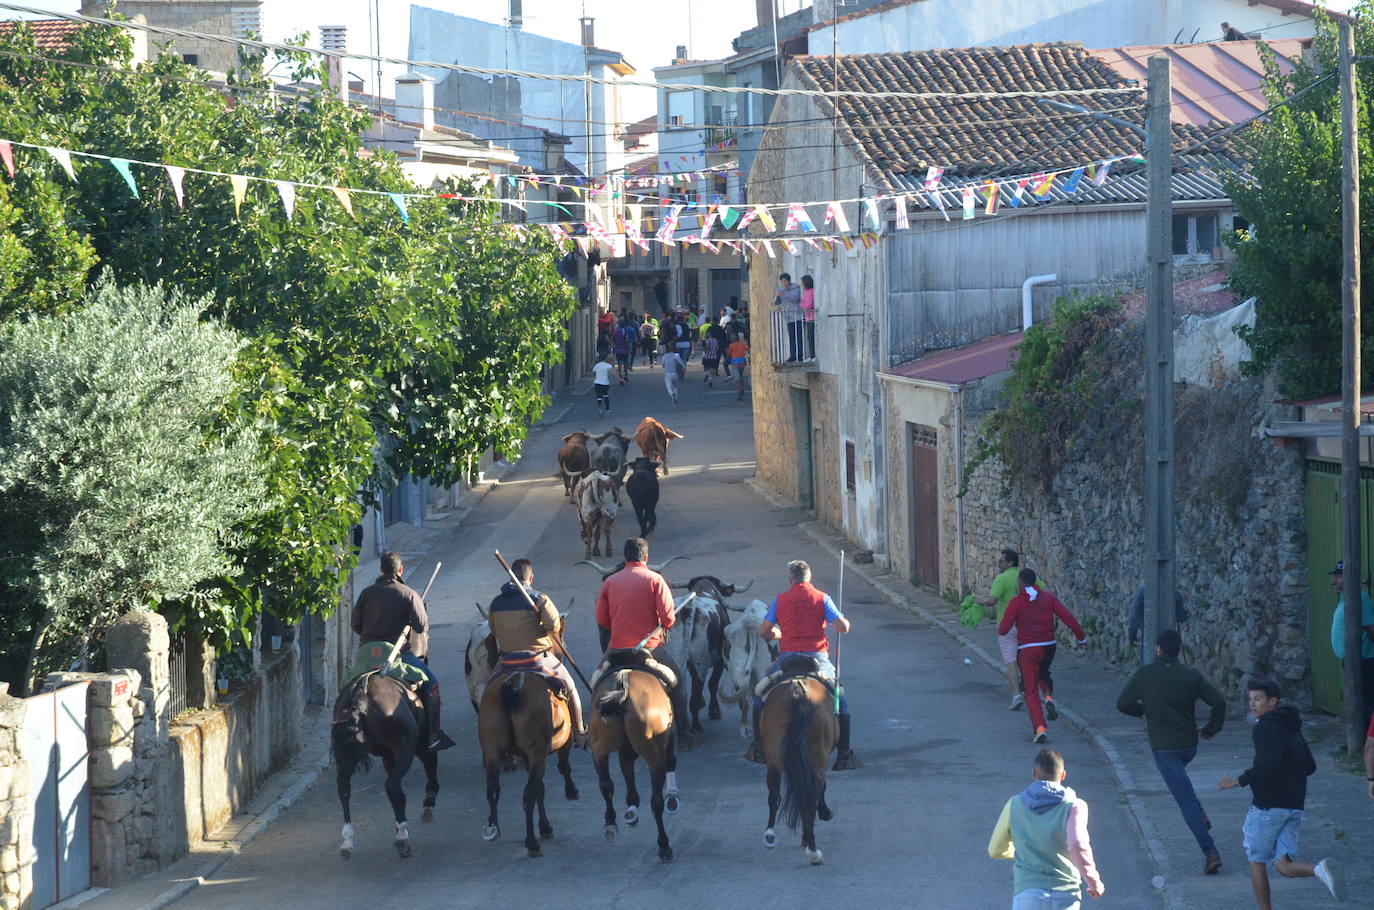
(770, 840)
(535, 853)
(666, 856)
(631, 815)
(713, 714)
(546, 833)
(672, 803)
(611, 831)
(825, 814)
(403, 849)
(491, 832)
(571, 794)
(346, 852)
(815, 857)
(428, 814)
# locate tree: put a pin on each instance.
(123, 478)
(1289, 257)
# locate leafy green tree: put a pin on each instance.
(125, 478)
(1290, 257)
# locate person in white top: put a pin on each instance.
(673, 369)
(602, 373)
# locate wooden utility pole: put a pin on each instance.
(1350, 393)
(1159, 362)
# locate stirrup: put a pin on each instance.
(443, 742)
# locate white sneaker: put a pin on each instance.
(1330, 875)
(1017, 702)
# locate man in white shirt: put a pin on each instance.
(602, 373)
(673, 369)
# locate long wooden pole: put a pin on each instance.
(1350, 393)
(557, 639)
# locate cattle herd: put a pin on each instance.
(593, 468)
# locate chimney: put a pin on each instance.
(588, 32)
(517, 15)
(765, 10)
(681, 53)
(415, 100)
(335, 38)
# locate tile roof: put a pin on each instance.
(49, 34)
(966, 364)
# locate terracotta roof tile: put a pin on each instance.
(49, 34)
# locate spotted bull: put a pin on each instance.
(597, 504)
(698, 638)
(747, 657)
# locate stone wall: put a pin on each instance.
(15, 820)
(1240, 537)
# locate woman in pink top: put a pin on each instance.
(808, 305)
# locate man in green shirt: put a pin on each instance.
(1000, 594)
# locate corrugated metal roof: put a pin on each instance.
(1216, 81)
(967, 364)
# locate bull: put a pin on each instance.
(598, 501)
(643, 489)
(573, 461)
(606, 453)
(652, 438)
(747, 657)
(699, 638)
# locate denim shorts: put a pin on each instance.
(1038, 899)
(1271, 833)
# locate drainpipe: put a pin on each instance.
(959, 480)
(1027, 316)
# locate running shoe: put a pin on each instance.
(1329, 874)
(1017, 702)
(1051, 712)
(1041, 734)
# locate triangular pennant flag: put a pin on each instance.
(868, 240)
(993, 190)
(764, 218)
(788, 245)
(707, 225)
(751, 246)
(834, 213)
(287, 191)
(939, 200)
(969, 203)
(584, 244)
(1070, 185)
(176, 175)
(239, 185)
(7, 153)
(708, 244)
(746, 219)
(902, 221)
(814, 242)
(64, 158)
(1042, 183)
(798, 218)
(345, 200)
(768, 248)
(1100, 177)
(848, 242)
(1015, 200)
(933, 175)
(400, 202)
(122, 165)
(875, 217)
(729, 217)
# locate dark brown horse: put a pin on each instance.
(520, 715)
(377, 715)
(797, 728)
(633, 717)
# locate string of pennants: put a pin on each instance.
(634, 229)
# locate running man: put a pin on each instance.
(737, 355)
(1032, 613)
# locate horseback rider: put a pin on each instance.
(635, 610)
(797, 619)
(383, 610)
(518, 628)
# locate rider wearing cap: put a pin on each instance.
(635, 610)
(516, 627)
(383, 610)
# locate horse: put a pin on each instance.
(797, 729)
(376, 715)
(633, 717)
(521, 715)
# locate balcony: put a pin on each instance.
(791, 345)
(724, 131)
(638, 262)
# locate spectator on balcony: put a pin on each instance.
(789, 299)
(808, 306)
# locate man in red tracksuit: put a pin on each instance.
(1032, 613)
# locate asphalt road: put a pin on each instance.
(941, 753)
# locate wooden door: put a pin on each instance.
(925, 531)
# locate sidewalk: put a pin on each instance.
(1340, 816)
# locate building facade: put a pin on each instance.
(228, 18)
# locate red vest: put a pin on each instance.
(801, 617)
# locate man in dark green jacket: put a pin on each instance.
(1166, 693)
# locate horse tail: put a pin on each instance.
(612, 702)
(347, 739)
(511, 692)
(801, 791)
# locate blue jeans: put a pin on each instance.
(1173, 767)
(826, 670)
(1039, 899)
(431, 680)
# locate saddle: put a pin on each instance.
(541, 663)
(634, 659)
(794, 667)
(369, 657)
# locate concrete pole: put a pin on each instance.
(1159, 363)
(1350, 392)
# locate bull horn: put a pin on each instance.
(735, 609)
(661, 566)
(481, 611)
(745, 587)
(600, 568)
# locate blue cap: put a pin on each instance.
(1340, 568)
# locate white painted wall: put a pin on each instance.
(1094, 23)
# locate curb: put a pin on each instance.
(1125, 781)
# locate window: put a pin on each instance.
(191, 59)
(849, 483)
(1196, 237)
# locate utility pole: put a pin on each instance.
(1159, 362)
(1350, 393)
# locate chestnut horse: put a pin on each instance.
(797, 729)
(633, 717)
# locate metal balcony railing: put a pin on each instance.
(790, 342)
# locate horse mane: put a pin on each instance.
(348, 741)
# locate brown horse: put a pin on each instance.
(522, 716)
(376, 715)
(797, 729)
(633, 717)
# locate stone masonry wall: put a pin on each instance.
(15, 821)
(1240, 537)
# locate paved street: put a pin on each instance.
(941, 753)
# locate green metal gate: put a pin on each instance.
(1323, 550)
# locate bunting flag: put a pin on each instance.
(669, 225)
(788, 245)
(746, 219)
(732, 244)
(764, 218)
(768, 248)
(1015, 200)
(287, 191)
(932, 181)
(708, 244)
(7, 154)
(797, 218)
(728, 217)
(239, 185)
(1042, 184)
(875, 218)
(400, 201)
(1100, 177)
(903, 222)
(634, 235)
(122, 165)
(584, 244)
(868, 240)
(175, 176)
(1071, 184)
(558, 233)
(970, 203)
(993, 190)
(345, 200)
(708, 223)
(847, 241)
(816, 244)
(598, 230)
(834, 212)
(751, 246)
(64, 158)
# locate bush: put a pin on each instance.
(122, 477)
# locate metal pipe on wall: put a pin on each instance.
(1027, 299)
